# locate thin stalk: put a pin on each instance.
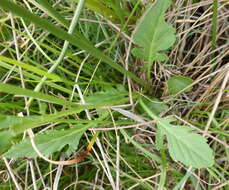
(33, 175)
(163, 170)
(124, 26)
(65, 47)
(17, 185)
(162, 150)
(214, 24)
(141, 148)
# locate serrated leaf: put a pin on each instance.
(189, 148)
(177, 83)
(48, 143)
(184, 146)
(153, 34)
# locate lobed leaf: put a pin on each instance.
(47, 143)
(153, 34)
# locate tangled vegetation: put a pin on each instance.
(114, 94)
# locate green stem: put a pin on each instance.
(148, 110)
(141, 148)
(162, 151)
(214, 24)
(124, 26)
(149, 66)
(163, 170)
(63, 51)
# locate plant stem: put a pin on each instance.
(124, 26)
(214, 24)
(163, 170)
(63, 51)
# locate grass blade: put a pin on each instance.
(43, 4)
(78, 40)
(31, 68)
(28, 123)
(11, 89)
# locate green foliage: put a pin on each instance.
(7, 121)
(102, 8)
(184, 146)
(30, 68)
(5, 137)
(153, 104)
(47, 143)
(12, 89)
(29, 123)
(153, 34)
(18, 125)
(77, 39)
(116, 95)
(177, 83)
(102, 86)
(51, 11)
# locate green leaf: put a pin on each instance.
(153, 34)
(101, 8)
(5, 137)
(189, 148)
(177, 83)
(184, 146)
(48, 143)
(76, 39)
(8, 121)
(43, 4)
(28, 122)
(155, 105)
(159, 139)
(116, 95)
(11, 89)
